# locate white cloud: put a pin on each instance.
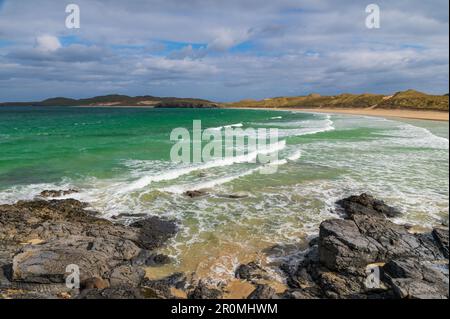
(225, 39)
(173, 47)
(47, 43)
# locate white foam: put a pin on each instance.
(227, 126)
(180, 189)
(176, 173)
(414, 136)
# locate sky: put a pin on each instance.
(221, 50)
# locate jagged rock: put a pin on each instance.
(154, 232)
(126, 275)
(441, 237)
(234, 196)
(151, 259)
(308, 293)
(162, 289)
(251, 272)
(413, 278)
(342, 246)
(410, 265)
(111, 293)
(196, 193)
(204, 292)
(39, 239)
(366, 204)
(57, 193)
(94, 257)
(262, 292)
(415, 289)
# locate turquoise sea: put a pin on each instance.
(119, 160)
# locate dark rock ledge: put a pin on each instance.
(351, 254)
(39, 238)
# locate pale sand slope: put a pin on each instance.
(420, 115)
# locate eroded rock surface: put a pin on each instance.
(39, 239)
(366, 255)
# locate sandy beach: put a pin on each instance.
(409, 114)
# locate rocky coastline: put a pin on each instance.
(361, 254)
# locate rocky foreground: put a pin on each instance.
(361, 255)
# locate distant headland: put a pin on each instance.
(409, 100)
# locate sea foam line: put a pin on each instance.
(180, 189)
(227, 126)
(176, 173)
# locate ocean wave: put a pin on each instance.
(176, 173)
(227, 126)
(414, 136)
(309, 128)
(179, 189)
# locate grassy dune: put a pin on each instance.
(407, 100)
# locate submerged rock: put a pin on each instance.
(252, 272)
(154, 231)
(164, 288)
(202, 291)
(195, 193)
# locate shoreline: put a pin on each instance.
(406, 114)
(116, 259)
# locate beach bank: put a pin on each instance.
(407, 114)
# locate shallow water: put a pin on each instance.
(119, 160)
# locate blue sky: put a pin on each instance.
(221, 50)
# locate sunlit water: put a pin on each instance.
(119, 159)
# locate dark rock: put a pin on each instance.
(349, 250)
(196, 193)
(365, 204)
(129, 215)
(154, 232)
(162, 289)
(41, 238)
(418, 279)
(47, 263)
(307, 293)
(314, 242)
(151, 259)
(111, 293)
(126, 275)
(343, 246)
(204, 292)
(416, 289)
(234, 196)
(441, 237)
(262, 292)
(251, 272)
(57, 193)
